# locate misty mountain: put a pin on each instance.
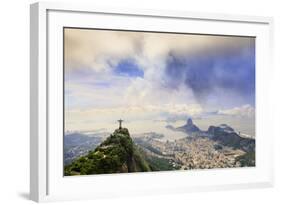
(222, 134)
(226, 136)
(188, 128)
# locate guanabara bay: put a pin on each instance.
(143, 101)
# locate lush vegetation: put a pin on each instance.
(116, 154)
(247, 160)
(159, 164)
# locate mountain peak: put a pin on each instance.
(116, 154)
(123, 131)
(189, 127)
(189, 121)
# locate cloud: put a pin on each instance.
(139, 75)
(225, 78)
(243, 111)
(146, 92)
(191, 110)
(97, 50)
(102, 49)
(77, 118)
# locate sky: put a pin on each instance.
(152, 79)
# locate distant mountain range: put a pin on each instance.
(223, 134)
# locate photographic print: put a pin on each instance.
(141, 101)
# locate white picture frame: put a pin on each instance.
(47, 182)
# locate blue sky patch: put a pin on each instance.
(128, 68)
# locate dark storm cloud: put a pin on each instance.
(213, 75)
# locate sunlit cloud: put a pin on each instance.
(243, 111)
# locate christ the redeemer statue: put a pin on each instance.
(120, 123)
